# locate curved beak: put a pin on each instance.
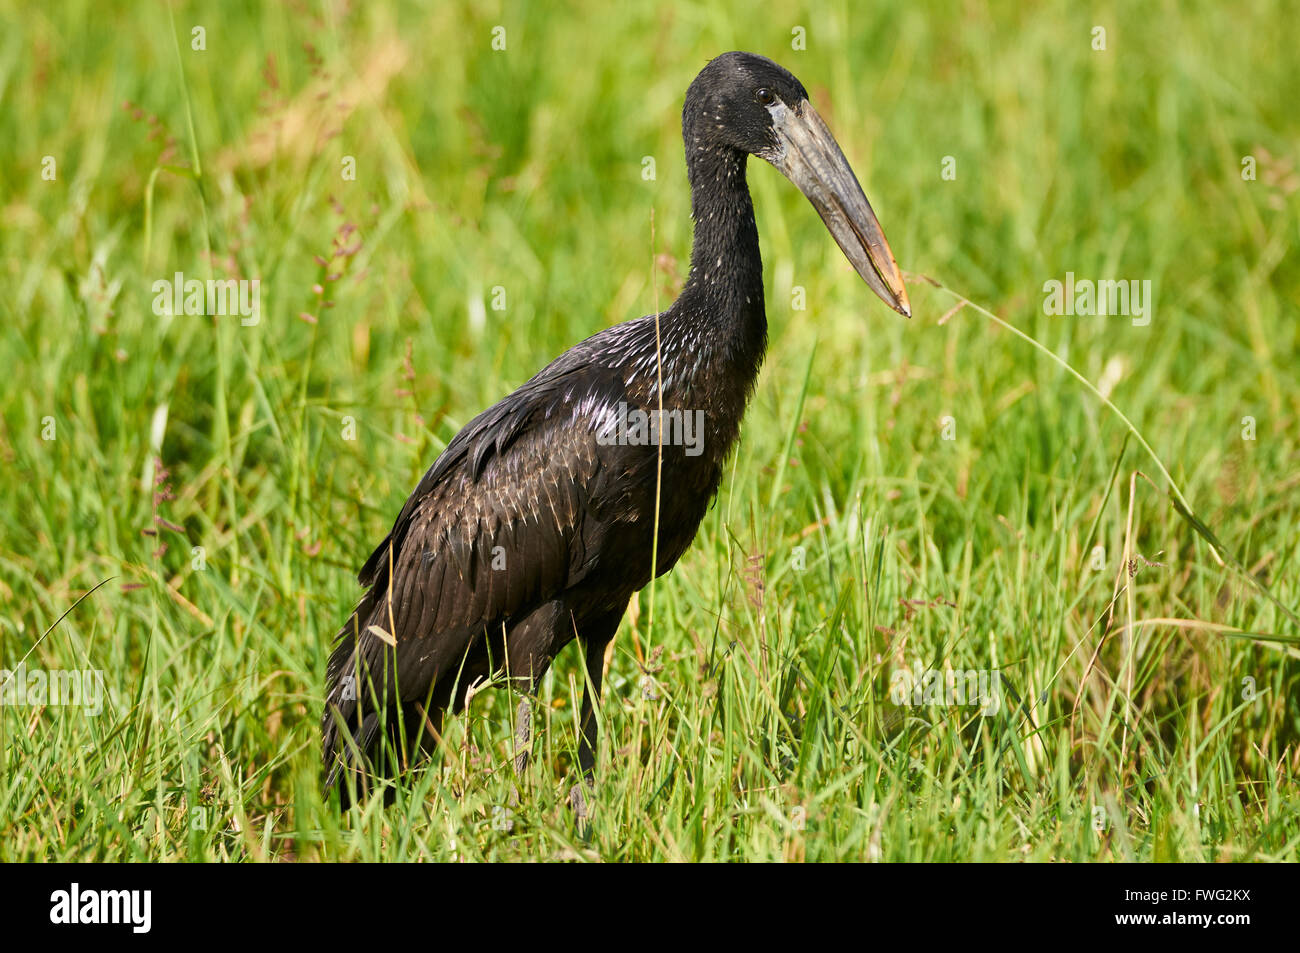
(808, 155)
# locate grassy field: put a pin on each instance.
(432, 219)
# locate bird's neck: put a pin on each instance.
(723, 296)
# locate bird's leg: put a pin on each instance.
(523, 735)
(588, 724)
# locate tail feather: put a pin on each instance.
(367, 734)
(350, 733)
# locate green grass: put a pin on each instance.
(750, 718)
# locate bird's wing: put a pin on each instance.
(510, 515)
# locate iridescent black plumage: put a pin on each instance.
(533, 528)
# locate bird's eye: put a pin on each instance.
(765, 96)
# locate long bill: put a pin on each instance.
(808, 155)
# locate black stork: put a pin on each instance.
(535, 525)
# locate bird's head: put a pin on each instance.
(748, 103)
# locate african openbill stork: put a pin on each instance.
(534, 526)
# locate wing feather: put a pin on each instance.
(528, 476)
